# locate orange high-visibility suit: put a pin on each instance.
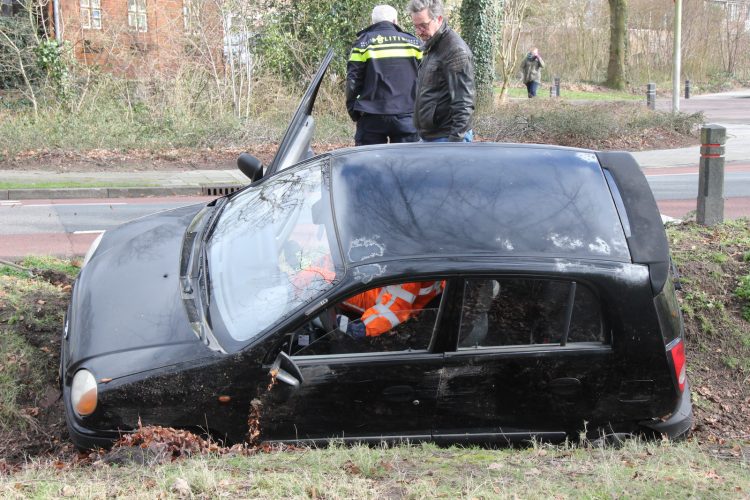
(386, 307)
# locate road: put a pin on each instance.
(66, 228)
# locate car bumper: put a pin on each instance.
(681, 420)
(83, 438)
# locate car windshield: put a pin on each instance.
(270, 251)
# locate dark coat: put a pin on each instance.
(445, 89)
(381, 74)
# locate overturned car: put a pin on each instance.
(447, 292)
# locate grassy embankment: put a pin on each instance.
(715, 272)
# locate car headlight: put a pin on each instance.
(92, 249)
(83, 393)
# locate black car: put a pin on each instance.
(551, 309)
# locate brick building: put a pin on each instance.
(137, 37)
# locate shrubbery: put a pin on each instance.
(298, 34)
(589, 125)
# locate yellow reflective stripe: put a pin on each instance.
(384, 46)
(384, 54)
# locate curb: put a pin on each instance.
(131, 192)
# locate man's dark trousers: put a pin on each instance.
(532, 87)
(377, 129)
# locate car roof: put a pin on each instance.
(410, 201)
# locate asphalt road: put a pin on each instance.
(726, 108)
(66, 228)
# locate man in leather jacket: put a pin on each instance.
(381, 80)
(445, 84)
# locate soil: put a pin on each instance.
(224, 159)
(721, 393)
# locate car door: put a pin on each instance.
(295, 146)
(531, 357)
(371, 388)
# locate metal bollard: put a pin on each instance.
(710, 209)
(651, 95)
(557, 86)
(687, 89)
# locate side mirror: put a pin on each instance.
(250, 166)
(285, 370)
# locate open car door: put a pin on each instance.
(295, 146)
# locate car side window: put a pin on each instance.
(513, 312)
(396, 317)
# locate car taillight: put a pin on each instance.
(678, 361)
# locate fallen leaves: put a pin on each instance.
(168, 442)
(351, 468)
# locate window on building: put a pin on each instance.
(137, 19)
(91, 14)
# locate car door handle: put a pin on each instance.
(566, 386)
(399, 393)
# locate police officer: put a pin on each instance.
(381, 79)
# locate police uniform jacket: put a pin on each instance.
(381, 74)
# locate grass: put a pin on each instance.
(715, 275)
(596, 125)
(743, 292)
(576, 95)
(637, 470)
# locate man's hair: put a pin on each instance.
(384, 13)
(434, 7)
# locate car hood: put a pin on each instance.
(127, 314)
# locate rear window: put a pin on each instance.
(510, 312)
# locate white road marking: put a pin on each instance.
(92, 231)
(9, 203)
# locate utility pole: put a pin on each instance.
(676, 58)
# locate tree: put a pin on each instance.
(735, 33)
(478, 25)
(510, 16)
(618, 32)
(297, 34)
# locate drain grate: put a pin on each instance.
(220, 190)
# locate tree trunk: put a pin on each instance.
(478, 29)
(510, 17)
(618, 32)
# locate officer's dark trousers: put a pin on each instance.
(378, 129)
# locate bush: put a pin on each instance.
(299, 33)
(589, 125)
(18, 42)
